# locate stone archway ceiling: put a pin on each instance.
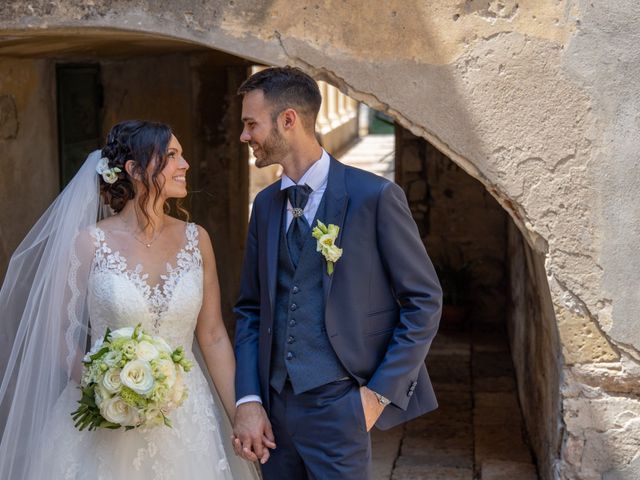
(488, 86)
(536, 99)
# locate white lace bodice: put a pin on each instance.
(120, 296)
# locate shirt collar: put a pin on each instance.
(315, 175)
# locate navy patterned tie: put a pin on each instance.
(299, 229)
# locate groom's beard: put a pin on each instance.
(272, 151)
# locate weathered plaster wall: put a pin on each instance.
(537, 99)
(149, 88)
(28, 146)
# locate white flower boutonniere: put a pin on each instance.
(326, 237)
(109, 175)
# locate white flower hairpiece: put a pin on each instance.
(109, 175)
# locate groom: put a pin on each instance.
(324, 351)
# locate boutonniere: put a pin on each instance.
(326, 237)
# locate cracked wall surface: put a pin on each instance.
(536, 99)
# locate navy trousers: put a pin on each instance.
(320, 434)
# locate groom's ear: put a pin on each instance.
(289, 118)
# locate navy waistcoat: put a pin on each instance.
(301, 349)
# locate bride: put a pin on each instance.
(74, 276)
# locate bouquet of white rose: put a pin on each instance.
(130, 379)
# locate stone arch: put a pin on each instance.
(491, 86)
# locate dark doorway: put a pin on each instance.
(79, 99)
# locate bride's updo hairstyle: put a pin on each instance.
(142, 142)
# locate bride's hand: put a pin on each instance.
(253, 433)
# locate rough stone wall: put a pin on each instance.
(536, 99)
(460, 223)
(29, 158)
(535, 348)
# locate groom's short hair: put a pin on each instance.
(287, 87)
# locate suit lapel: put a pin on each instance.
(336, 209)
(274, 224)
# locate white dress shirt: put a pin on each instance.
(315, 177)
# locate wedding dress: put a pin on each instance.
(119, 296)
(116, 294)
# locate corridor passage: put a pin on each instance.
(477, 433)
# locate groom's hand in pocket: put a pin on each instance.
(371, 406)
(253, 433)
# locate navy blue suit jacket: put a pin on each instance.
(382, 303)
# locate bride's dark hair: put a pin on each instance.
(142, 142)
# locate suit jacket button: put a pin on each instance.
(295, 289)
(293, 307)
(289, 355)
(292, 322)
(291, 339)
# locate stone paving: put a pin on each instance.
(374, 153)
(477, 432)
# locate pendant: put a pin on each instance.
(148, 245)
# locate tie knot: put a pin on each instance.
(298, 195)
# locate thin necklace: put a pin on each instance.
(150, 242)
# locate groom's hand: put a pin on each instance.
(371, 406)
(253, 433)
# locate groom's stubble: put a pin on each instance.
(273, 150)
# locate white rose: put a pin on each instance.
(116, 410)
(111, 380)
(168, 369)
(138, 376)
(112, 358)
(124, 332)
(101, 394)
(146, 351)
(102, 165)
(110, 176)
(162, 345)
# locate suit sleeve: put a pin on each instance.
(417, 291)
(247, 313)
